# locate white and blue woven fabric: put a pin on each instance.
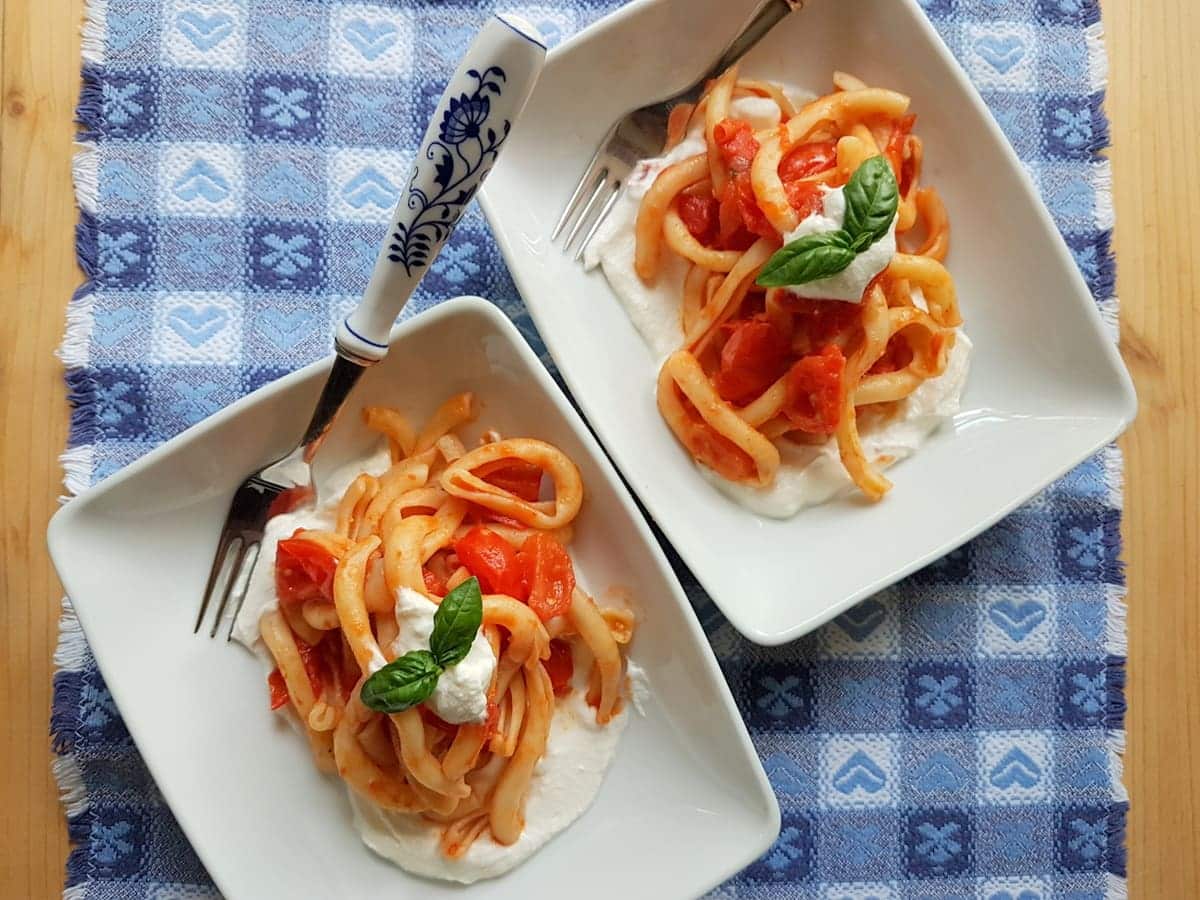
(955, 736)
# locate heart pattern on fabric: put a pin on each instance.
(202, 181)
(288, 34)
(861, 620)
(1002, 52)
(197, 323)
(860, 772)
(1015, 768)
(114, 325)
(941, 772)
(124, 29)
(287, 329)
(371, 40)
(205, 32)
(1017, 620)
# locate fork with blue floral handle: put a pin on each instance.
(469, 127)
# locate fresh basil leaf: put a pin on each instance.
(456, 623)
(871, 200)
(402, 683)
(862, 242)
(809, 258)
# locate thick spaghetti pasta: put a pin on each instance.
(761, 366)
(500, 512)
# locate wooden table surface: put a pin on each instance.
(1154, 104)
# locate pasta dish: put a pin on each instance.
(787, 261)
(425, 627)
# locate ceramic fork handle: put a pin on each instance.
(468, 129)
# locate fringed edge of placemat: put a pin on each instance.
(72, 655)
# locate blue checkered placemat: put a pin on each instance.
(955, 736)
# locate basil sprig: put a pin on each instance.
(411, 678)
(871, 200)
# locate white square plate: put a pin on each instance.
(685, 804)
(1046, 389)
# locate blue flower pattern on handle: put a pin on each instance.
(462, 156)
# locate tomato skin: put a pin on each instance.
(814, 391)
(560, 667)
(752, 358)
(805, 197)
(738, 202)
(736, 142)
(303, 571)
(520, 478)
(278, 687)
(699, 214)
(492, 560)
(434, 584)
(805, 160)
(719, 453)
(549, 575)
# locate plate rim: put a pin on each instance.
(60, 536)
(1123, 415)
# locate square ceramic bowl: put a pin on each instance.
(1046, 389)
(134, 551)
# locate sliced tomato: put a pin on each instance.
(719, 453)
(805, 197)
(433, 583)
(805, 160)
(814, 391)
(700, 214)
(313, 667)
(492, 560)
(549, 575)
(279, 691)
(739, 203)
(560, 667)
(519, 478)
(303, 571)
(754, 355)
(736, 142)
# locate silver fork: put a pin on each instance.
(461, 143)
(641, 134)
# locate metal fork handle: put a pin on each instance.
(768, 16)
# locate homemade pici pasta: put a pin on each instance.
(428, 632)
(788, 262)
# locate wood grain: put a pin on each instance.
(1154, 104)
(39, 84)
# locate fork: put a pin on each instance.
(469, 126)
(642, 133)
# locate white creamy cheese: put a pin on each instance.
(564, 784)
(461, 692)
(319, 515)
(808, 475)
(850, 283)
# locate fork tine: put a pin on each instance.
(584, 215)
(591, 232)
(234, 572)
(591, 175)
(243, 586)
(218, 566)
